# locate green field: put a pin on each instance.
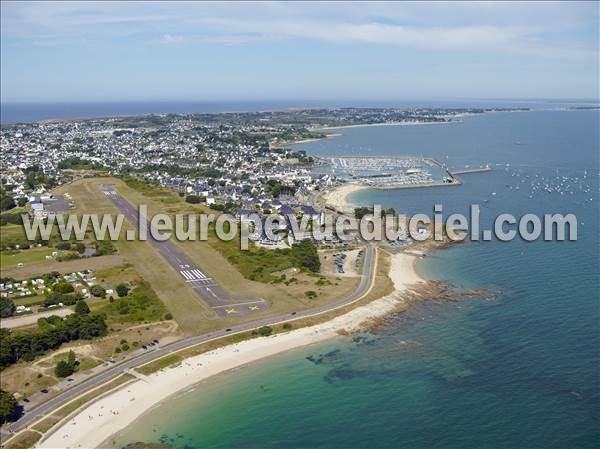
(141, 305)
(9, 260)
(12, 234)
(29, 300)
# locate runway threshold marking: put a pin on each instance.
(197, 277)
(238, 304)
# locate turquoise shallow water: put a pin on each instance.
(521, 371)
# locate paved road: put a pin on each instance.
(209, 291)
(111, 373)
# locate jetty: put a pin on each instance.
(466, 171)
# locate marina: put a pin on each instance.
(395, 172)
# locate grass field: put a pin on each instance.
(69, 266)
(12, 232)
(29, 300)
(141, 305)
(179, 299)
(24, 440)
(9, 260)
(214, 257)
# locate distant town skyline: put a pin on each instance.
(319, 51)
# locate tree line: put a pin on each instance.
(51, 333)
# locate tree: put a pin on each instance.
(98, 291)
(192, 199)
(306, 255)
(7, 307)
(65, 368)
(122, 290)
(265, 331)
(56, 331)
(62, 369)
(63, 287)
(6, 203)
(82, 307)
(9, 408)
(360, 212)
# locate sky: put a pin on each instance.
(218, 51)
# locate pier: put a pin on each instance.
(466, 171)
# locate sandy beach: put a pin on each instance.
(337, 197)
(96, 423)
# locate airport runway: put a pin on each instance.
(30, 416)
(209, 291)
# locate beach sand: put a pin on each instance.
(337, 197)
(96, 423)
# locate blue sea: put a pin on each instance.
(521, 371)
(11, 112)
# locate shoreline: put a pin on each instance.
(307, 140)
(96, 423)
(364, 125)
(337, 197)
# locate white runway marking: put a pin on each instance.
(195, 275)
(199, 274)
(195, 282)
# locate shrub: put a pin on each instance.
(192, 199)
(104, 247)
(63, 246)
(122, 290)
(305, 252)
(65, 368)
(55, 298)
(265, 331)
(7, 307)
(9, 408)
(168, 316)
(63, 287)
(98, 291)
(25, 346)
(82, 307)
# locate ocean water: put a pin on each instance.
(519, 371)
(11, 112)
(33, 112)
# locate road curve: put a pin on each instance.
(111, 373)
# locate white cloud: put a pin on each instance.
(535, 29)
(171, 39)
